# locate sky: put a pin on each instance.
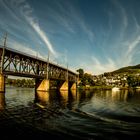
(95, 35)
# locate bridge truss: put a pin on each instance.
(17, 63)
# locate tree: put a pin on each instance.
(133, 81)
(87, 79)
(81, 73)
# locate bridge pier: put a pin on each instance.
(2, 83)
(42, 85)
(45, 85)
(73, 86)
(64, 86)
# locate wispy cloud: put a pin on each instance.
(137, 25)
(25, 49)
(96, 66)
(25, 10)
(101, 67)
(42, 35)
(21, 46)
(28, 13)
(130, 50)
(122, 11)
(7, 5)
(122, 17)
(80, 20)
(124, 45)
(70, 17)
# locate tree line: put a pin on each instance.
(20, 82)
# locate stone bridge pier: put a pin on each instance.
(45, 85)
(2, 83)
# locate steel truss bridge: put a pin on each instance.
(16, 63)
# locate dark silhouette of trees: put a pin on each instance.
(85, 78)
(133, 81)
(81, 73)
(20, 82)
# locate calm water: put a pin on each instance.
(97, 114)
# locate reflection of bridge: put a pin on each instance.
(16, 63)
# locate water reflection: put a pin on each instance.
(78, 113)
(127, 95)
(71, 99)
(61, 99)
(117, 96)
(121, 95)
(64, 96)
(41, 98)
(2, 101)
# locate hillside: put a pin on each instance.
(128, 70)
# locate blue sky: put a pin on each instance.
(95, 35)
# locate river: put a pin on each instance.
(89, 115)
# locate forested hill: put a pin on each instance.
(128, 70)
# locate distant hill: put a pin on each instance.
(127, 70)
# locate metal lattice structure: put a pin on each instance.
(16, 63)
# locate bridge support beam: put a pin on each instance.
(43, 85)
(2, 83)
(64, 86)
(74, 86)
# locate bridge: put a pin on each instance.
(16, 63)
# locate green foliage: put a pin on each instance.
(85, 78)
(20, 82)
(81, 73)
(133, 81)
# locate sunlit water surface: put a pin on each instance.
(96, 114)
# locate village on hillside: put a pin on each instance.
(128, 77)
